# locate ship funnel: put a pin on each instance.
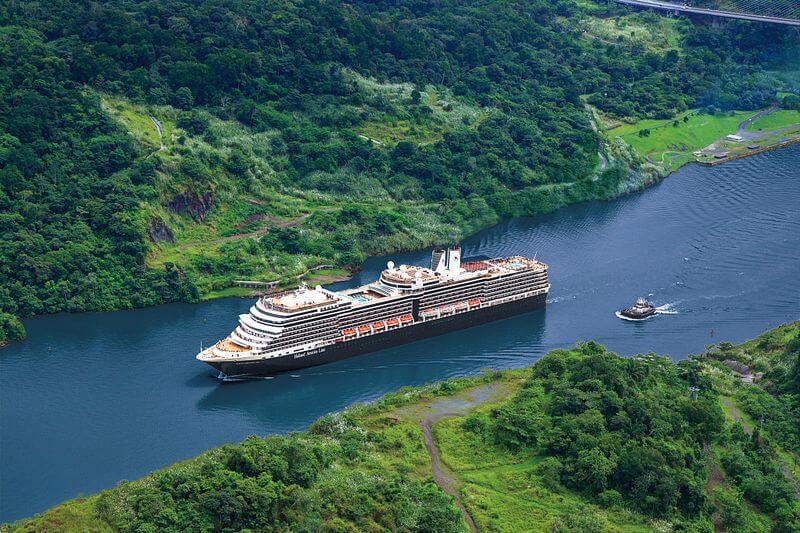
(438, 260)
(454, 259)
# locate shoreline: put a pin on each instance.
(643, 182)
(761, 150)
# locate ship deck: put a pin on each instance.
(229, 346)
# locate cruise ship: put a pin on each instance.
(311, 326)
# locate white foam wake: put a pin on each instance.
(666, 309)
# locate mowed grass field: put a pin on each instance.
(783, 118)
(670, 145)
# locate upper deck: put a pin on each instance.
(408, 274)
(298, 299)
(516, 263)
(396, 282)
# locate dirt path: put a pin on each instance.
(737, 416)
(444, 408)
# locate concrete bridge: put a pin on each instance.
(683, 8)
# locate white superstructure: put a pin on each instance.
(305, 319)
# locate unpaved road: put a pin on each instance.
(443, 408)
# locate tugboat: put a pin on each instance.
(640, 310)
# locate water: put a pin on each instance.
(91, 399)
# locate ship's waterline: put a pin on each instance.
(91, 399)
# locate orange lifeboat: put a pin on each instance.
(474, 301)
(363, 329)
(349, 331)
(405, 319)
(392, 322)
(378, 325)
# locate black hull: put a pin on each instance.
(637, 316)
(379, 341)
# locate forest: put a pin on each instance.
(582, 440)
(275, 108)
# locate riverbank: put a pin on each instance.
(482, 441)
(750, 152)
(696, 136)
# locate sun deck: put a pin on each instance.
(518, 263)
(364, 294)
(299, 299)
(227, 345)
(408, 274)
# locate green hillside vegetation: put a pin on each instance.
(759, 466)
(312, 133)
(581, 441)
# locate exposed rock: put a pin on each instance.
(192, 204)
(738, 367)
(158, 231)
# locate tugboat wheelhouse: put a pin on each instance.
(305, 327)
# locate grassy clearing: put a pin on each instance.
(424, 122)
(136, 119)
(735, 414)
(783, 118)
(502, 491)
(657, 34)
(75, 515)
(230, 292)
(669, 145)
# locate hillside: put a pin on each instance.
(581, 441)
(301, 134)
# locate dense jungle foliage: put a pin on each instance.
(270, 109)
(621, 431)
(760, 458)
(581, 441)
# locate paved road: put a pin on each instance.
(743, 133)
(669, 6)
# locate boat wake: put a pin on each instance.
(666, 309)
